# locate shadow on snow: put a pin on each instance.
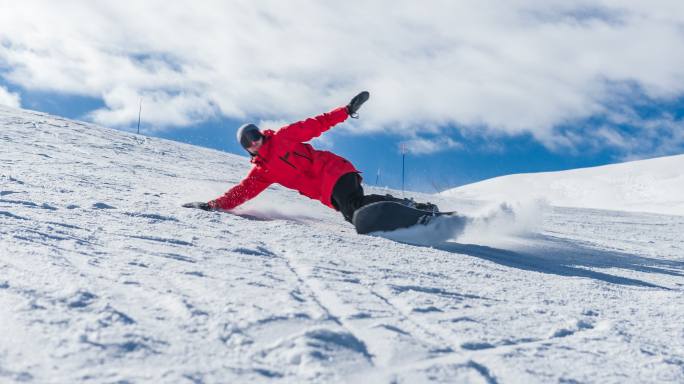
(565, 258)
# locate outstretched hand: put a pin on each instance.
(198, 205)
(356, 103)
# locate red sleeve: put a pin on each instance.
(248, 189)
(305, 130)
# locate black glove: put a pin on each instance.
(198, 205)
(356, 103)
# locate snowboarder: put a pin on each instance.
(285, 158)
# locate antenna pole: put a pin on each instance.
(139, 113)
(403, 166)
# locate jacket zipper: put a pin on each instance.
(288, 163)
(304, 156)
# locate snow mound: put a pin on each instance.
(652, 185)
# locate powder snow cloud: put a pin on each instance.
(493, 67)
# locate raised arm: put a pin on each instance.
(249, 188)
(308, 129)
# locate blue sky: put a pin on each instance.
(474, 90)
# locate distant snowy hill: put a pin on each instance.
(654, 185)
(104, 278)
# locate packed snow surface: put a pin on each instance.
(105, 278)
(653, 185)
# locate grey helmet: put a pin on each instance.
(247, 134)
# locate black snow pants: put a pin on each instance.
(347, 195)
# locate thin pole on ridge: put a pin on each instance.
(139, 113)
(403, 167)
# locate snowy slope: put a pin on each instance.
(103, 278)
(653, 185)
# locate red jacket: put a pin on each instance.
(284, 158)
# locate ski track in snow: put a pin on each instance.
(104, 278)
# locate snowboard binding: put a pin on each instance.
(409, 202)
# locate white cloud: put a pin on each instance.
(9, 99)
(160, 108)
(421, 146)
(506, 67)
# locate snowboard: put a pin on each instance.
(387, 216)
